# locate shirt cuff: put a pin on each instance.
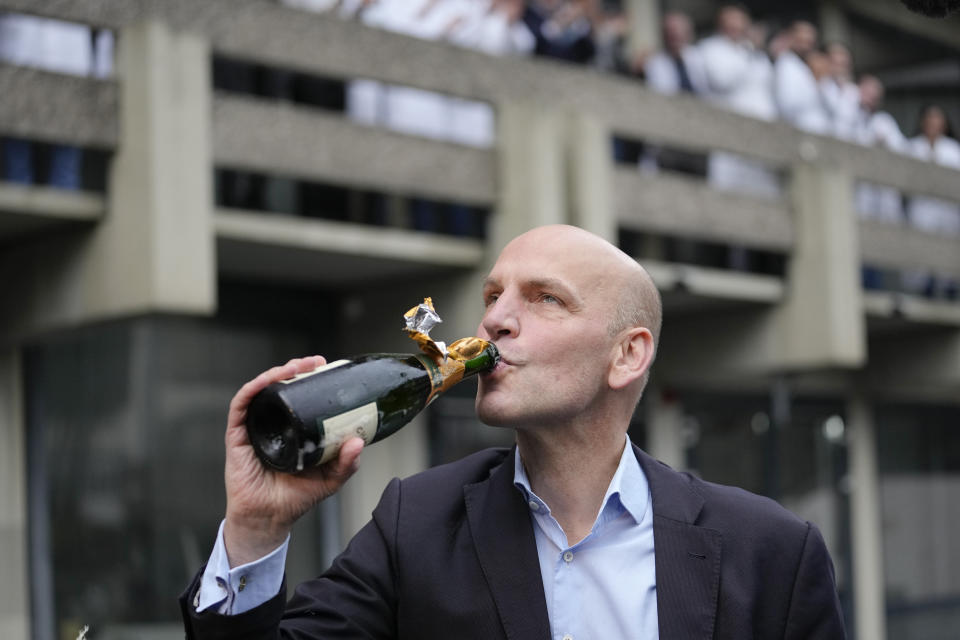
(235, 591)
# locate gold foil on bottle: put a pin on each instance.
(420, 320)
(467, 348)
(444, 363)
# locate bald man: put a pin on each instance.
(574, 533)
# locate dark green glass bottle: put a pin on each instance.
(299, 423)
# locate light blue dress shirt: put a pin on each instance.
(605, 585)
(602, 587)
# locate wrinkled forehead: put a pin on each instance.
(581, 265)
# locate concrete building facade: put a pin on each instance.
(133, 312)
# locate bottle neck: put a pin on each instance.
(483, 361)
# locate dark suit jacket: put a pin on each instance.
(450, 553)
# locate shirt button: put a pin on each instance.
(534, 506)
(568, 637)
(568, 557)
(243, 583)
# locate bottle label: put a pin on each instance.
(361, 422)
(320, 369)
(442, 376)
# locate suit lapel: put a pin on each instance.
(687, 557)
(503, 536)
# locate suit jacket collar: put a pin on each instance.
(499, 522)
(687, 556)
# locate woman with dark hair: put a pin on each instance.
(934, 143)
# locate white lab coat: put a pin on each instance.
(416, 111)
(875, 201)
(369, 101)
(466, 23)
(491, 32)
(472, 122)
(842, 100)
(660, 71)
(798, 96)
(740, 79)
(926, 212)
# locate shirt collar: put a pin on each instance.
(629, 484)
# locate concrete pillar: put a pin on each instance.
(590, 169)
(532, 172)
(644, 17)
(15, 585)
(155, 251)
(664, 418)
(865, 522)
(821, 321)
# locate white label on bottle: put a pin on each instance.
(361, 422)
(320, 369)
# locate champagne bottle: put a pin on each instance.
(301, 422)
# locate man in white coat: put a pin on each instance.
(491, 26)
(876, 128)
(796, 89)
(934, 215)
(739, 77)
(840, 94)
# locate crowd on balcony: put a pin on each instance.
(741, 66)
(791, 76)
(787, 75)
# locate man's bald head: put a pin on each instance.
(634, 299)
(576, 322)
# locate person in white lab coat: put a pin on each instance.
(840, 94)
(739, 77)
(876, 128)
(935, 143)
(51, 45)
(491, 26)
(796, 89)
(494, 27)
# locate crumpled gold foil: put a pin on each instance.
(420, 320)
(424, 317)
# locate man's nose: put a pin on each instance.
(501, 318)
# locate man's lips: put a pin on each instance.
(503, 364)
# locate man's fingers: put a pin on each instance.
(246, 393)
(347, 461)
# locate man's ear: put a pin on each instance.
(631, 358)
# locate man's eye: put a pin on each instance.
(546, 297)
(490, 299)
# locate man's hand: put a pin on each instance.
(263, 504)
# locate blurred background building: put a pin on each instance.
(194, 191)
